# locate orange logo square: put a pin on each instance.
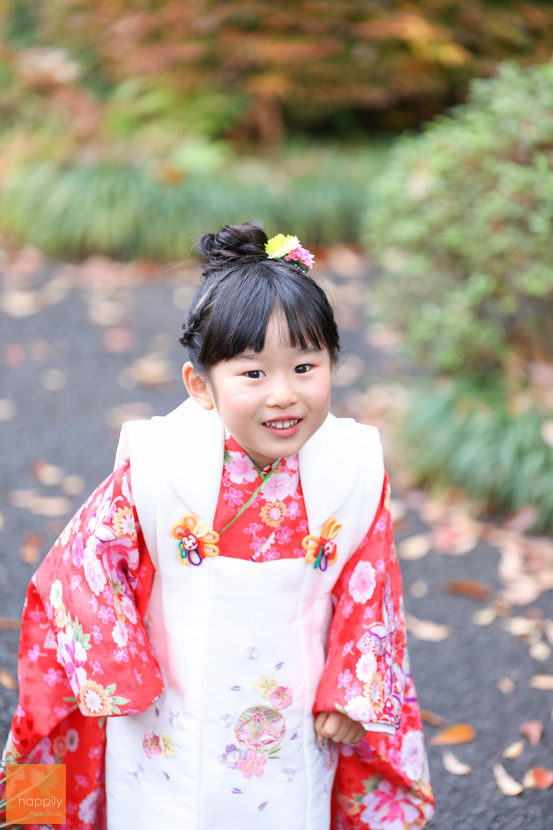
(35, 794)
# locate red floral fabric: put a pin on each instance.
(84, 650)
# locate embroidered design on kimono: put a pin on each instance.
(322, 550)
(260, 730)
(196, 540)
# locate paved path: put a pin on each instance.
(83, 348)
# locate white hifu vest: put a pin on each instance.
(230, 744)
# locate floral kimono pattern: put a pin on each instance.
(85, 654)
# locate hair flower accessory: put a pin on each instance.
(289, 248)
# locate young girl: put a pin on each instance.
(216, 641)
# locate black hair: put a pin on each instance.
(230, 311)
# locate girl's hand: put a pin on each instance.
(338, 727)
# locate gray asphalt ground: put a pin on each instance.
(71, 342)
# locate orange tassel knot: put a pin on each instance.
(196, 540)
(322, 550)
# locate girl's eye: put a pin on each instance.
(303, 368)
(255, 374)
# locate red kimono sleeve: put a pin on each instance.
(84, 653)
(384, 779)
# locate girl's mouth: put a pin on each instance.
(282, 424)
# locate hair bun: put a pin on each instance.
(233, 242)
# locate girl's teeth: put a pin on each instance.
(281, 424)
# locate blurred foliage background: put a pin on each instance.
(423, 131)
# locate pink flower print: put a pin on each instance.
(348, 648)
(347, 608)
(121, 655)
(388, 808)
(34, 653)
(270, 555)
(368, 613)
(138, 677)
(345, 678)
(380, 566)
(293, 510)
(258, 544)
(240, 468)
(284, 535)
(77, 551)
(380, 525)
(106, 614)
(76, 582)
(96, 634)
(362, 582)
(234, 497)
(152, 744)
(353, 691)
(302, 527)
(253, 528)
(96, 667)
(282, 697)
(72, 656)
(252, 764)
(52, 677)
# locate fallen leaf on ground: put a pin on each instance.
(9, 624)
(48, 474)
(542, 681)
(30, 549)
(532, 730)
(7, 409)
(50, 506)
(73, 485)
(432, 718)
(506, 685)
(453, 765)
(514, 750)
(520, 626)
(506, 784)
(484, 616)
(540, 651)
(398, 511)
(538, 777)
(427, 630)
(153, 370)
(523, 519)
(468, 588)
(415, 547)
(459, 733)
(128, 412)
(119, 340)
(418, 589)
(7, 680)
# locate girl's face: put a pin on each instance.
(271, 401)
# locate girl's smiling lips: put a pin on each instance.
(283, 427)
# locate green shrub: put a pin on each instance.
(462, 222)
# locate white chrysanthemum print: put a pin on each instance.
(366, 666)
(56, 594)
(413, 754)
(362, 582)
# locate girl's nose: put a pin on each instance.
(282, 393)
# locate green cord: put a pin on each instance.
(253, 496)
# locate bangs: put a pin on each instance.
(244, 304)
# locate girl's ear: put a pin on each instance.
(196, 386)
